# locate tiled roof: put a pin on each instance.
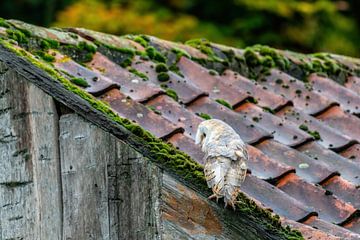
(302, 126)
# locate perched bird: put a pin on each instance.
(225, 159)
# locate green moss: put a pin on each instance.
(224, 103)
(213, 72)
(163, 77)
(180, 53)
(161, 67)
(45, 56)
(205, 47)
(155, 55)
(269, 110)
(174, 68)
(204, 116)
(314, 134)
(164, 154)
(251, 58)
(142, 40)
(17, 35)
(91, 48)
(46, 44)
(152, 108)
(80, 82)
(126, 62)
(139, 74)
(303, 127)
(171, 93)
(3, 23)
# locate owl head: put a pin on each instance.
(206, 128)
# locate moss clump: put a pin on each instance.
(142, 40)
(205, 47)
(126, 63)
(251, 58)
(174, 68)
(80, 82)
(3, 23)
(139, 74)
(180, 53)
(224, 103)
(152, 108)
(269, 110)
(314, 134)
(155, 55)
(46, 44)
(171, 93)
(161, 67)
(304, 127)
(163, 77)
(45, 56)
(17, 35)
(213, 72)
(204, 116)
(91, 48)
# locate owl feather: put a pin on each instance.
(225, 159)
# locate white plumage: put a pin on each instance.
(225, 159)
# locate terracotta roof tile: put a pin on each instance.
(330, 137)
(216, 88)
(305, 171)
(334, 162)
(283, 131)
(349, 100)
(344, 190)
(264, 97)
(353, 83)
(249, 132)
(307, 168)
(309, 232)
(98, 84)
(332, 229)
(296, 91)
(131, 85)
(328, 207)
(185, 89)
(140, 114)
(275, 199)
(353, 225)
(346, 123)
(176, 113)
(352, 153)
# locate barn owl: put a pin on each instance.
(225, 159)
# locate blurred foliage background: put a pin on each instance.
(300, 25)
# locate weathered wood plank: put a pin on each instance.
(30, 203)
(84, 152)
(133, 195)
(187, 214)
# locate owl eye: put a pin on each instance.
(204, 134)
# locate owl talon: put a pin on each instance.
(214, 196)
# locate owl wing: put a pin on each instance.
(235, 176)
(215, 170)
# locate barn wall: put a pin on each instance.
(62, 177)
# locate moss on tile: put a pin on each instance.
(45, 56)
(180, 53)
(46, 44)
(161, 67)
(164, 154)
(155, 55)
(163, 77)
(139, 74)
(204, 116)
(3, 23)
(224, 103)
(17, 35)
(314, 134)
(80, 82)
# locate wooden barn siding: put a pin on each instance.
(62, 177)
